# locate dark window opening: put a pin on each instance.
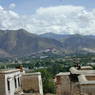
(15, 82)
(8, 83)
(73, 77)
(19, 82)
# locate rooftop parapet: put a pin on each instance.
(83, 80)
(5, 71)
(31, 74)
(86, 68)
(83, 70)
(61, 74)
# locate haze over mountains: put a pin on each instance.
(18, 43)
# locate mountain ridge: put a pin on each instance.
(18, 43)
(22, 43)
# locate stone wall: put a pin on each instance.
(32, 83)
(63, 85)
(90, 78)
(87, 89)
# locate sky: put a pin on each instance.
(43, 16)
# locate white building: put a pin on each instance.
(10, 83)
(17, 82)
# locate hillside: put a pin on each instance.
(22, 43)
(18, 43)
(74, 44)
(51, 35)
(79, 44)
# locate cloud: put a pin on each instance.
(65, 19)
(60, 19)
(12, 6)
(8, 19)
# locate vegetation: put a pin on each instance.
(48, 83)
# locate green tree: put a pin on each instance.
(48, 83)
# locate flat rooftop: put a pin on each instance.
(65, 73)
(31, 74)
(5, 71)
(84, 80)
(84, 70)
(31, 94)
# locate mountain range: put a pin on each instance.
(18, 43)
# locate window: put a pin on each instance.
(18, 81)
(15, 82)
(8, 84)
